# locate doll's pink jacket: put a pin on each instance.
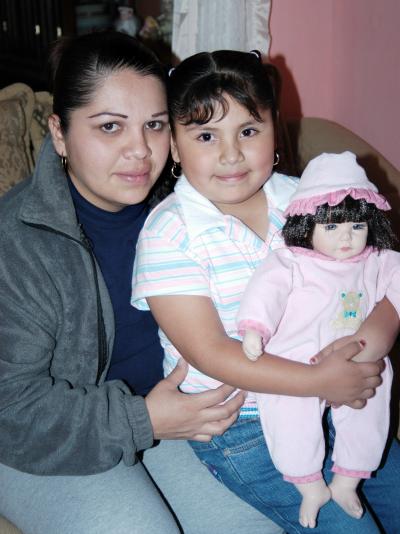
(304, 300)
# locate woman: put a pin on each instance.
(77, 406)
(68, 247)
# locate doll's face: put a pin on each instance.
(340, 240)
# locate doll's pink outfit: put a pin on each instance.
(300, 301)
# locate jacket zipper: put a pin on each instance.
(101, 330)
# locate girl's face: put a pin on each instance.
(340, 240)
(227, 160)
(117, 145)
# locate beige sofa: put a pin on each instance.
(23, 123)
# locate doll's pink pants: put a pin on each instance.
(293, 432)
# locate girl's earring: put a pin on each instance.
(176, 170)
(276, 158)
(64, 163)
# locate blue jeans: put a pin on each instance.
(240, 460)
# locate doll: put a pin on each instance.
(336, 266)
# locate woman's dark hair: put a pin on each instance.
(298, 229)
(81, 64)
(199, 83)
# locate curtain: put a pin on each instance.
(206, 25)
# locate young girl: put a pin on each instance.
(300, 299)
(195, 256)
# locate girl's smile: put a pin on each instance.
(234, 177)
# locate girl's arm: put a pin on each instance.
(378, 332)
(380, 329)
(193, 326)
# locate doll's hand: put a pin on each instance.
(252, 345)
(198, 416)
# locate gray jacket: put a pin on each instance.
(57, 415)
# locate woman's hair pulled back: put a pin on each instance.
(81, 64)
(200, 82)
(298, 229)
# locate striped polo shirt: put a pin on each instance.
(189, 247)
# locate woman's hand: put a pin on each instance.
(354, 380)
(198, 416)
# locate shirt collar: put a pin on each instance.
(198, 212)
(201, 215)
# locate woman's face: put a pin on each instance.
(117, 146)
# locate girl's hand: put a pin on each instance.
(343, 381)
(198, 416)
(335, 345)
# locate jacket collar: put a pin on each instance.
(47, 201)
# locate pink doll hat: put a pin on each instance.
(329, 178)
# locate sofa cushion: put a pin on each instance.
(16, 108)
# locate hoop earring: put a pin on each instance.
(276, 158)
(64, 163)
(176, 170)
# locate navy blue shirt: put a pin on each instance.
(137, 355)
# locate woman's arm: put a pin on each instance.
(202, 340)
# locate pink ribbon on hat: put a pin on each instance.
(302, 206)
(329, 178)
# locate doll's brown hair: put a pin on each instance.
(298, 229)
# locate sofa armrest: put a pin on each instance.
(16, 108)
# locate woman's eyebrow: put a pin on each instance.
(123, 116)
(108, 113)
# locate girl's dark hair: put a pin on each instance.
(298, 229)
(199, 83)
(80, 65)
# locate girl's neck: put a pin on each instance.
(253, 212)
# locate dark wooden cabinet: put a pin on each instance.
(27, 29)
